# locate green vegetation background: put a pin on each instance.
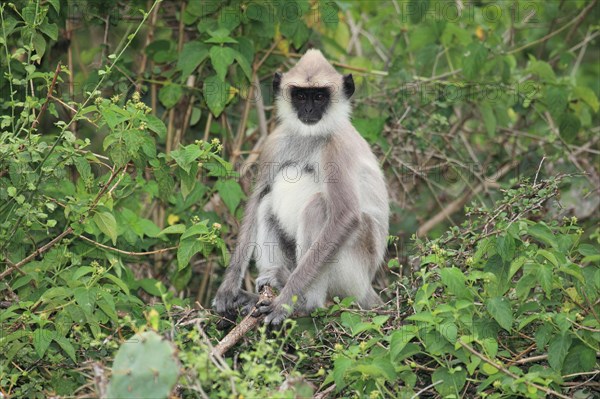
(129, 133)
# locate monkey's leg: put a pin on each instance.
(355, 265)
(277, 256)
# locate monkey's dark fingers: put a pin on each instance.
(276, 318)
(247, 308)
(263, 307)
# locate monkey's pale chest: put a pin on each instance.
(293, 188)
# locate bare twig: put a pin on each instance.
(325, 393)
(158, 251)
(246, 325)
(48, 96)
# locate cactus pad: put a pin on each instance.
(145, 367)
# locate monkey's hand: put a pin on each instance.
(228, 301)
(276, 311)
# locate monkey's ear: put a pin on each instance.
(348, 85)
(276, 83)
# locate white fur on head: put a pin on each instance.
(313, 70)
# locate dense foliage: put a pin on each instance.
(128, 136)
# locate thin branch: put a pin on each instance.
(158, 251)
(246, 325)
(48, 96)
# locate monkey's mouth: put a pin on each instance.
(309, 121)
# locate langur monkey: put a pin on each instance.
(316, 223)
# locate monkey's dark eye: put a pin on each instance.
(319, 97)
(301, 96)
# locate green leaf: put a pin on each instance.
(558, 350)
(185, 156)
(170, 95)
(107, 304)
(196, 230)
(163, 178)
(152, 286)
(543, 70)
(328, 11)
(55, 292)
(499, 308)
(490, 347)
(192, 54)
(216, 93)
(340, 365)
(543, 234)
(82, 271)
(50, 30)
(588, 96)
(555, 99)
(244, 64)
(118, 282)
(449, 382)
(66, 346)
(107, 224)
(41, 340)
(220, 36)
(221, 58)
(474, 60)
(39, 44)
(174, 229)
(400, 338)
(156, 125)
(568, 126)
(542, 335)
(544, 277)
(231, 193)
(489, 119)
(580, 359)
(505, 246)
(85, 298)
(55, 4)
(588, 250)
(187, 249)
(449, 330)
(454, 279)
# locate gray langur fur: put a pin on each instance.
(316, 223)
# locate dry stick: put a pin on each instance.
(325, 393)
(48, 96)
(510, 373)
(247, 324)
(36, 253)
(120, 251)
(455, 205)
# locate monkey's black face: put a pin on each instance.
(310, 104)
